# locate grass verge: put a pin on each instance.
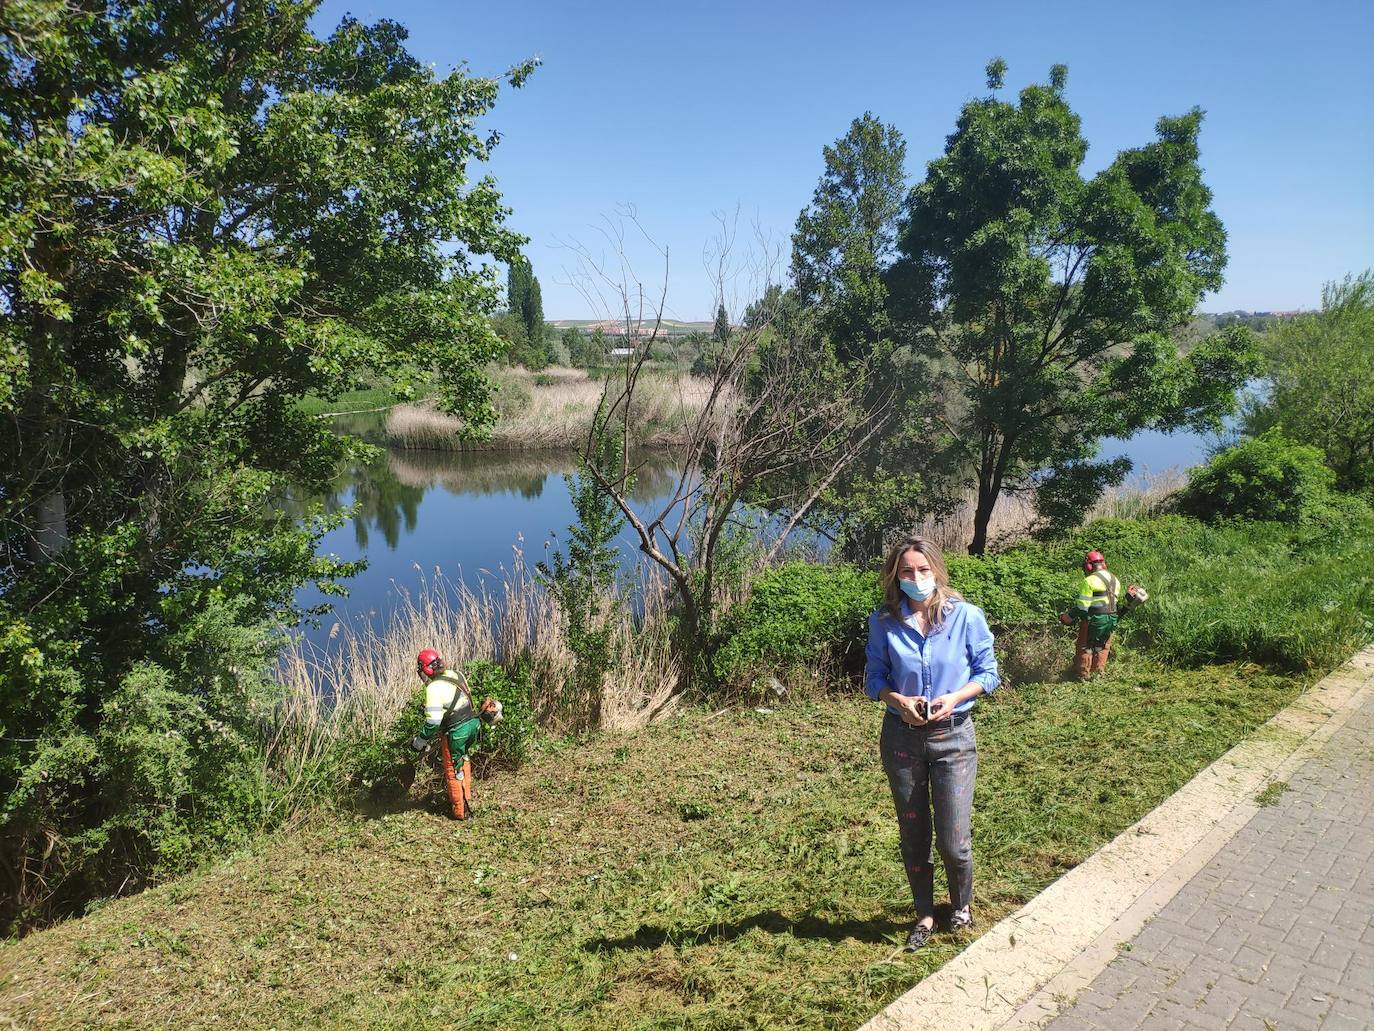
(736, 871)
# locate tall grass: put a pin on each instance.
(557, 414)
(1014, 518)
(352, 691)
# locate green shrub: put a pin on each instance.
(503, 745)
(372, 762)
(1268, 477)
(798, 616)
(543, 379)
(116, 780)
(1015, 589)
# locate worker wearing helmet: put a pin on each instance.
(449, 713)
(1096, 612)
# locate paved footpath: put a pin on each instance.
(1277, 930)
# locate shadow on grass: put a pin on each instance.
(877, 931)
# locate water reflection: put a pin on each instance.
(460, 514)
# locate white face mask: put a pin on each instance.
(919, 589)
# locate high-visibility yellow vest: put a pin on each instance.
(439, 694)
(1098, 593)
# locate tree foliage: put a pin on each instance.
(1265, 478)
(1055, 294)
(1321, 376)
(846, 238)
(526, 306)
(207, 213)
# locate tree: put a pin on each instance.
(581, 580)
(778, 413)
(206, 212)
(846, 238)
(720, 332)
(1321, 381)
(526, 304)
(1054, 295)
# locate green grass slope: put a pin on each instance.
(736, 871)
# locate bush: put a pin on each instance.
(1268, 477)
(1016, 589)
(503, 745)
(372, 762)
(112, 784)
(798, 616)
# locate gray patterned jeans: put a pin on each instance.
(933, 766)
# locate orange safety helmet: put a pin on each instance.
(429, 663)
(1091, 559)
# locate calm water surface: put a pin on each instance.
(464, 515)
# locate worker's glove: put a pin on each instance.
(491, 711)
(1066, 619)
(419, 743)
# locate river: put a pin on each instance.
(464, 514)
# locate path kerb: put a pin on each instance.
(1025, 968)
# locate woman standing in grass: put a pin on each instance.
(929, 657)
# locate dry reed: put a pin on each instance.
(556, 415)
(1014, 518)
(353, 690)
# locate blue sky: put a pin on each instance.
(684, 110)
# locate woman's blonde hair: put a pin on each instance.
(943, 598)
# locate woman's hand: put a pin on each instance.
(941, 706)
(906, 708)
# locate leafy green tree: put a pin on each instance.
(720, 332)
(581, 581)
(1054, 295)
(846, 238)
(206, 213)
(1321, 376)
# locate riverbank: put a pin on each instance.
(549, 410)
(715, 870)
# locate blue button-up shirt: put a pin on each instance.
(959, 653)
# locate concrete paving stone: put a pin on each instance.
(1326, 899)
(1359, 974)
(1250, 1022)
(1167, 1014)
(1303, 937)
(1071, 1021)
(1335, 951)
(1122, 1018)
(1282, 915)
(1093, 1002)
(1282, 974)
(1348, 1016)
(1194, 983)
(1248, 964)
(1308, 1002)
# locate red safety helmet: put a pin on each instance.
(1091, 559)
(429, 663)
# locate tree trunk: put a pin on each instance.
(49, 537)
(982, 515)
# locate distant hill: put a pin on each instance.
(616, 327)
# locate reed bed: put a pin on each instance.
(553, 410)
(1014, 519)
(351, 692)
